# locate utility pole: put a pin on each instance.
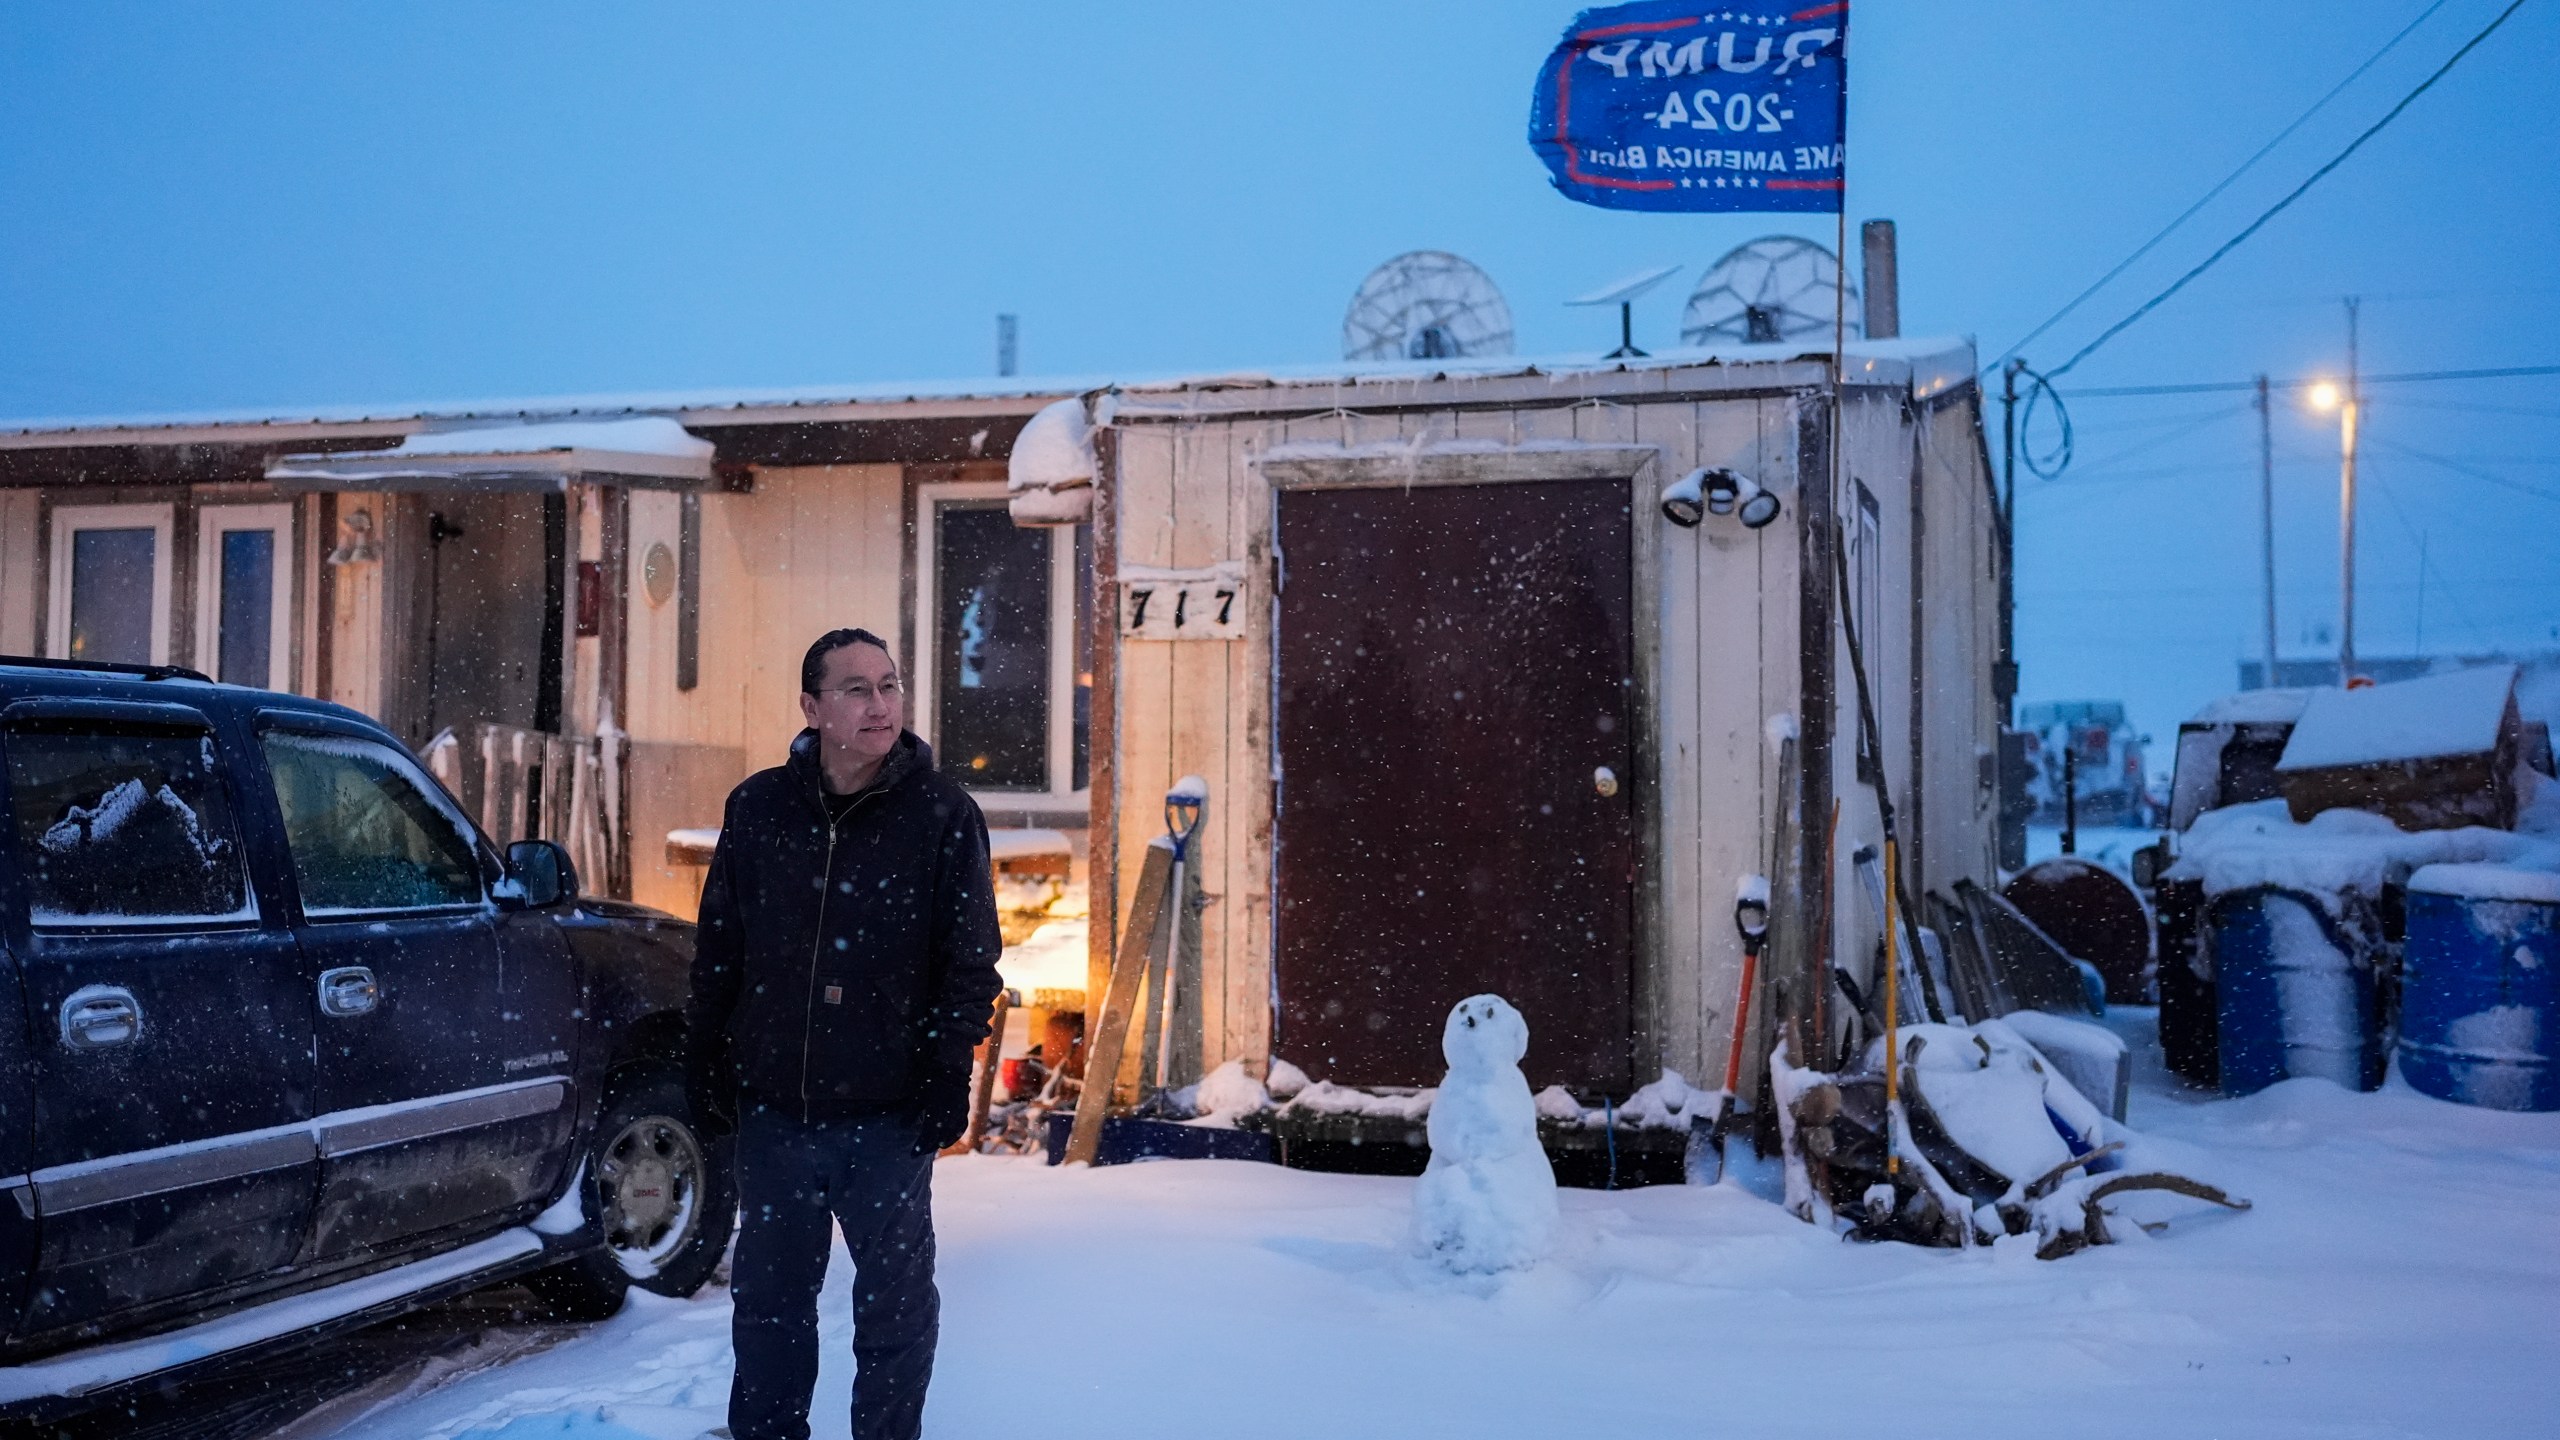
(2267, 524)
(2005, 676)
(2347, 509)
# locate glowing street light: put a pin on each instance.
(2326, 396)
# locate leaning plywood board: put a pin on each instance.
(1111, 1034)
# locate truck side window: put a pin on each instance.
(364, 834)
(124, 826)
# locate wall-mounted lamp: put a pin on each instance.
(1717, 491)
(356, 545)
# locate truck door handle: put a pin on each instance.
(348, 990)
(98, 1016)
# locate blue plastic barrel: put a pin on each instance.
(2480, 1008)
(2293, 992)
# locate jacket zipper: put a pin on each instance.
(817, 943)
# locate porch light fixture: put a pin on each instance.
(1684, 501)
(1758, 507)
(1717, 491)
(356, 544)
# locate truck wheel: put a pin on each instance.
(660, 1199)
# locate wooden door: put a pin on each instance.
(1455, 669)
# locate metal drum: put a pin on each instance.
(2093, 913)
(2480, 1004)
(2294, 987)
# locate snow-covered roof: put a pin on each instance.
(2457, 713)
(647, 447)
(644, 435)
(1928, 366)
(2279, 706)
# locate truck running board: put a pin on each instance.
(82, 1372)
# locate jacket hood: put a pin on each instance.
(909, 756)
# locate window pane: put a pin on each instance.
(111, 575)
(248, 607)
(363, 833)
(991, 682)
(124, 828)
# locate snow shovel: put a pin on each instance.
(1751, 917)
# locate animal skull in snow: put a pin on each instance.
(1488, 1200)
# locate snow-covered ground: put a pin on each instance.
(2397, 1278)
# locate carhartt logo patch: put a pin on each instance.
(835, 994)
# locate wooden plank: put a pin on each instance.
(1111, 1032)
(1612, 461)
(18, 542)
(1675, 980)
(1199, 727)
(983, 1092)
(1243, 846)
(1245, 818)
(1142, 709)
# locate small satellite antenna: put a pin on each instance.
(1774, 289)
(1426, 305)
(1623, 295)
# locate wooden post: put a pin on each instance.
(1111, 1032)
(990, 1056)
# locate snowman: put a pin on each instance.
(1488, 1200)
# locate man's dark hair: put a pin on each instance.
(813, 666)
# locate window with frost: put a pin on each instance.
(124, 826)
(365, 830)
(1003, 690)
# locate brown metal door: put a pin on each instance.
(1455, 667)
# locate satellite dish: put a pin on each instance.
(1624, 294)
(1426, 305)
(1774, 289)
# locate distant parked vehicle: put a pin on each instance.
(2105, 761)
(287, 1045)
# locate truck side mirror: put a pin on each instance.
(2148, 862)
(540, 874)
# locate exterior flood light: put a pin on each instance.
(1758, 508)
(1684, 501)
(2324, 396)
(1717, 491)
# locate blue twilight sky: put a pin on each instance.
(259, 206)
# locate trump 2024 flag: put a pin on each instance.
(1659, 106)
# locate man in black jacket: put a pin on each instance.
(843, 975)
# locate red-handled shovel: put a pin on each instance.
(1751, 917)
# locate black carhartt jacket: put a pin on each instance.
(849, 963)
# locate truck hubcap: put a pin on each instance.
(650, 1179)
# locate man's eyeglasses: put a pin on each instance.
(860, 693)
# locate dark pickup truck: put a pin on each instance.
(287, 1045)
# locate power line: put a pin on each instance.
(2210, 387)
(2473, 471)
(2272, 211)
(2426, 566)
(2190, 212)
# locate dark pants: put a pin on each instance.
(792, 1176)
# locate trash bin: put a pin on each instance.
(2294, 992)
(2480, 998)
